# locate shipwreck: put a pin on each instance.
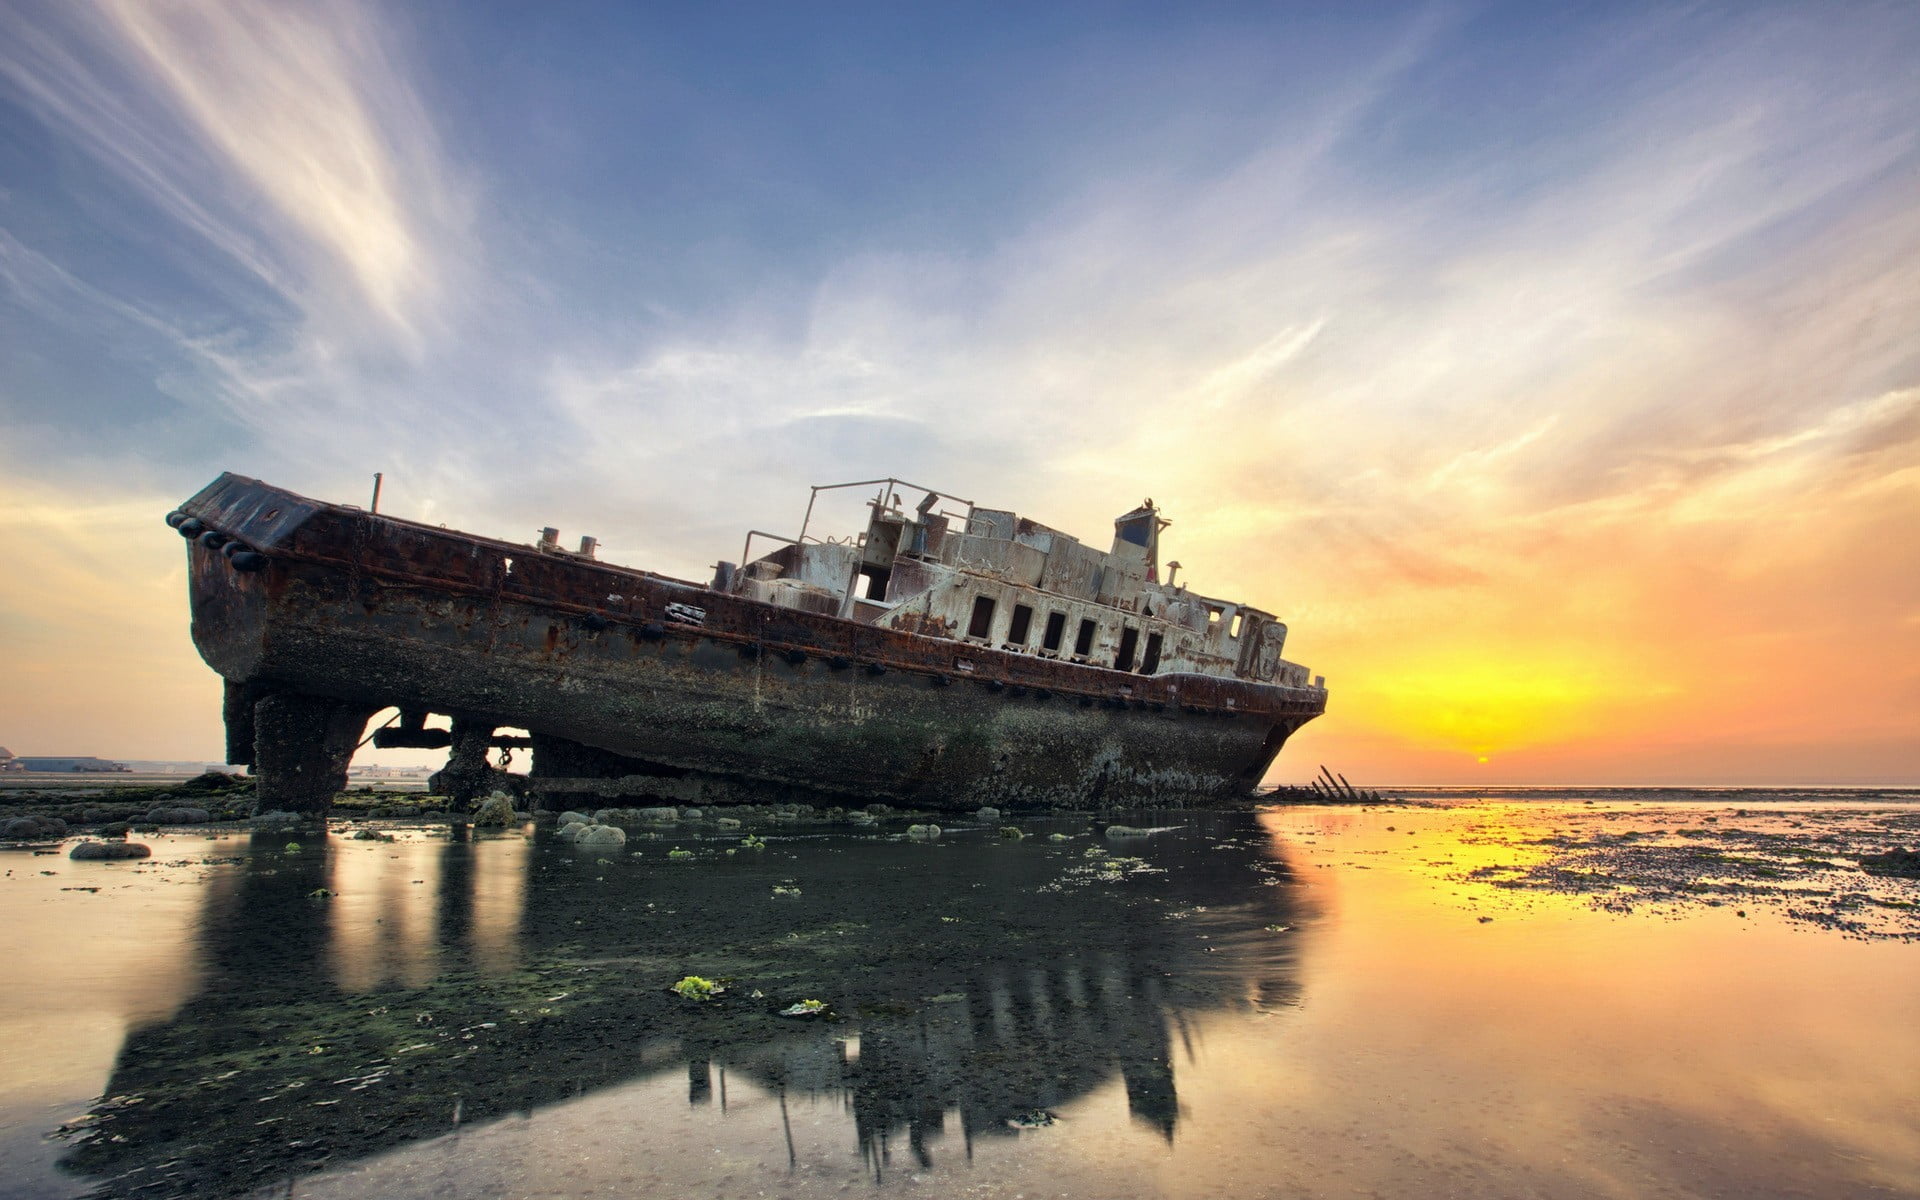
(949, 656)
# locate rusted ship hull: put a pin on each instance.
(672, 689)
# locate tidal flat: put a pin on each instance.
(1610, 994)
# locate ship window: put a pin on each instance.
(1129, 642)
(1018, 627)
(982, 623)
(1083, 643)
(871, 583)
(1056, 629)
(1151, 662)
(1239, 621)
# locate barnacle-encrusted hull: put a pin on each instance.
(684, 690)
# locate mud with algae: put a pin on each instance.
(997, 975)
(1851, 870)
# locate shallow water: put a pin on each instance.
(1304, 1001)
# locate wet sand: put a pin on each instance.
(1504, 997)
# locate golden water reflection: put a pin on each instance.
(397, 906)
(1529, 1035)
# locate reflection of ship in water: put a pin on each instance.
(1006, 1053)
(976, 985)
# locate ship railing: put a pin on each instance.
(884, 498)
(747, 546)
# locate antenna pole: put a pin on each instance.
(376, 492)
(804, 521)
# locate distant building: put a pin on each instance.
(80, 764)
(8, 762)
(378, 772)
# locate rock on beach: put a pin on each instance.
(33, 829)
(496, 810)
(599, 835)
(99, 850)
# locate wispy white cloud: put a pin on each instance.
(286, 137)
(1476, 465)
(1341, 368)
(1232, 381)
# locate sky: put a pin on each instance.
(1553, 371)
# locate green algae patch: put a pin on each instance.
(697, 987)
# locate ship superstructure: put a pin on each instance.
(988, 577)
